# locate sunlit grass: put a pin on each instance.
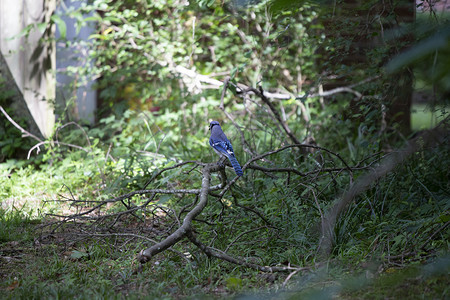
(423, 117)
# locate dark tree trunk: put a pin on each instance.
(14, 99)
(360, 26)
(399, 94)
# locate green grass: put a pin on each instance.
(423, 117)
(51, 272)
(15, 225)
(429, 281)
(397, 214)
(99, 269)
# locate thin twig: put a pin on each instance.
(56, 143)
(247, 147)
(260, 94)
(216, 84)
(24, 132)
(171, 168)
(242, 234)
(212, 252)
(290, 276)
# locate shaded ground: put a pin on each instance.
(70, 265)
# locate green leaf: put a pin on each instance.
(444, 218)
(113, 19)
(233, 73)
(164, 198)
(94, 18)
(60, 24)
(426, 47)
(97, 36)
(234, 283)
(25, 32)
(41, 27)
(78, 254)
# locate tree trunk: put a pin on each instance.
(360, 26)
(399, 94)
(16, 100)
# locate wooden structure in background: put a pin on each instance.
(33, 59)
(30, 60)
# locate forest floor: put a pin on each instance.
(52, 266)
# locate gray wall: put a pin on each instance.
(85, 97)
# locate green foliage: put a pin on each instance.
(402, 211)
(429, 57)
(12, 145)
(154, 117)
(15, 225)
(138, 48)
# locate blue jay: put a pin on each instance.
(222, 146)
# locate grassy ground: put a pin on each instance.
(423, 117)
(39, 263)
(54, 267)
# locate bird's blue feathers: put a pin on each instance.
(222, 146)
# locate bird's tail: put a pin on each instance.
(236, 166)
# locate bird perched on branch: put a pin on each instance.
(222, 146)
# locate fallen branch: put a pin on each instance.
(186, 231)
(182, 228)
(185, 228)
(211, 252)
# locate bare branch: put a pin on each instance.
(347, 167)
(260, 93)
(171, 168)
(181, 232)
(247, 147)
(56, 143)
(211, 252)
(216, 84)
(24, 132)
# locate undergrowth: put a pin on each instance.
(391, 241)
(400, 222)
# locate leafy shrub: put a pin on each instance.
(12, 144)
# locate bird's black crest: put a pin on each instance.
(212, 124)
